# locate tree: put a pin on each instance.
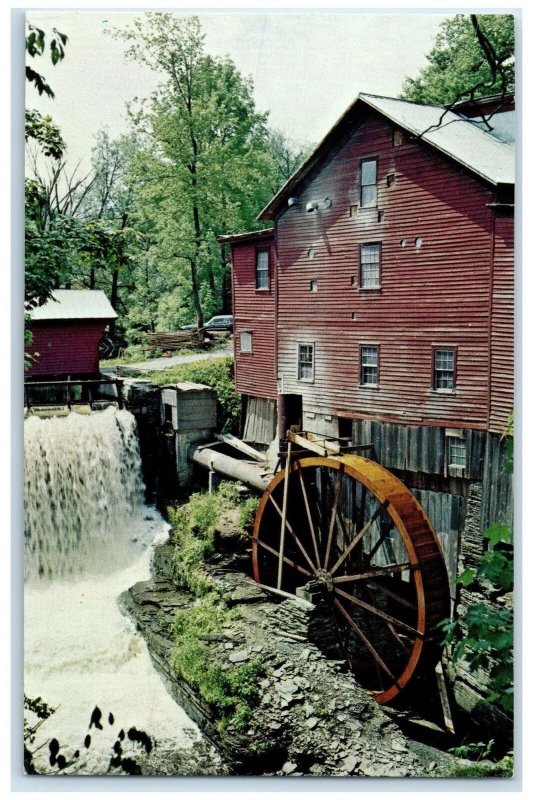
(287, 156)
(206, 169)
(43, 254)
(473, 57)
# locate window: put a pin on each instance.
(246, 342)
(306, 362)
(397, 137)
(444, 361)
(456, 452)
(369, 357)
(370, 266)
(313, 285)
(369, 193)
(261, 269)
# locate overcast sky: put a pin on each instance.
(307, 67)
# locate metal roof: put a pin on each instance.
(75, 304)
(451, 134)
(454, 135)
(263, 233)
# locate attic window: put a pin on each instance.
(369, 191)
(313, 285)
(398, 138)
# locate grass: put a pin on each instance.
(230, 693)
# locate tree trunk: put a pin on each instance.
(114, 301)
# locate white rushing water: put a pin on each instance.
(88, 538)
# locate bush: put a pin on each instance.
(484, 635)
(193, 532)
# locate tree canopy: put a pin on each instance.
(473, 56)
(143, 223)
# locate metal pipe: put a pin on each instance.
(244, 471)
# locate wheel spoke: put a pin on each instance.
(373, 573)
(377, 612)
(378, 544)
(309, 517)
(292, 533)
(333, 514)
(365, 641)
(285, 559)
(385, 590)
(358, 537)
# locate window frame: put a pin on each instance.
(251, 335)
(299, 345)
(451, 443)
(258, 251)
(361, 284)
(364, 185)
(434, 350)
(376, 347)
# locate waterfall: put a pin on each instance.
(83, 487)
(88, 537)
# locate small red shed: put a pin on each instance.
(66, 332)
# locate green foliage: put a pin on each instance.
(458, 64)
(483, 637)
(193, 533)
(248, 510)
(217, 373)
(231, 693)
(483, 769)
(44, 131)
(477, 751)
(36, 47)
(207, 167)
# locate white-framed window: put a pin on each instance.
(245, 339)
(456, 453)
(262, 278)
(444, 368)
(369, 179)
(306, 361)
(369, 360)
(370, 266)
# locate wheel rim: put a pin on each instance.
(356, 532)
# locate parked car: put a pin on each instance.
(222, 322)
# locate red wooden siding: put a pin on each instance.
(437, 294)
(66, 347)
(502, 374)
(254, 312)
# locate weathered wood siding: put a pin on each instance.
(415, 449)
(502, 329)
(435, 294)
(254, 312)
(65, 348)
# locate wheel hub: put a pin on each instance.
(325, 579)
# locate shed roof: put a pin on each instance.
(75, 304)
(451, 134)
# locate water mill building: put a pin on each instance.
(379, 308)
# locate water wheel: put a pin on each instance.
(357, 533)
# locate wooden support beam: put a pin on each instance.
(227, 438)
